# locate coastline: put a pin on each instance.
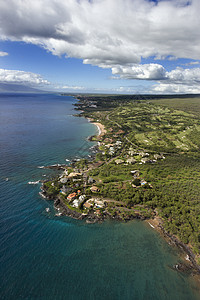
(156, 222)
(190, 265)
(101, 128)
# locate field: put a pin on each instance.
(158, 128)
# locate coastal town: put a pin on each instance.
(76, 190)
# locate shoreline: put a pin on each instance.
(101, 128)
(185, 253)
(156, 224)
(189, 265)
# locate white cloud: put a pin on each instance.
(102, 32)
(146, 71)
(157, 72)
(180, 81)
(73, 87)
(21, 77)
(180, 75)
(112, 34)
(2, 53)
(163, 88)
(192, 63)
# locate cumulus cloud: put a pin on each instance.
(180, 75)
(146, 71)
(157, 72)
(2, 53)
(21, 77)
(170, 88)
(112, 34)
(180, 81)
(102, 32)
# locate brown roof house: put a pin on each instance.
(94, 189)
(87, 204)
(71, 196)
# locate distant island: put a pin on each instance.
(146, 166)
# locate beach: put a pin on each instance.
(101, 128)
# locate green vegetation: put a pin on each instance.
(149, 161)
(157, 128)
(169, 126)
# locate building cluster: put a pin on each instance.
(139, 156)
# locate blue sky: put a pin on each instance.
(108, 46)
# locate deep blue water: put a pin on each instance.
(47, 257)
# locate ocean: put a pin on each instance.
(48, 257)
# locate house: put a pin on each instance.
(71, 197)
(118, 143)
(64, 180)
(119, 161)
(94, 189)
(99, 203)
(78, 201)
(74, 174)
(131, 160)
(131, 152)
(75, 203)
(82, 198)
(87, 204)
(111, 151)
(144, 160)
(143, 154)
(109, 145)
(76, 179)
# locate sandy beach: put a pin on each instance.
(101, 128)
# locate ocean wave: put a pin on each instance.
(34, 182)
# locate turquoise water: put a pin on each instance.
(47, 257)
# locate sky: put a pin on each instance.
(101, 46)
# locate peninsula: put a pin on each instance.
(146, 166)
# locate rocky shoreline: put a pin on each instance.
(91, 216)
(189, 264)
